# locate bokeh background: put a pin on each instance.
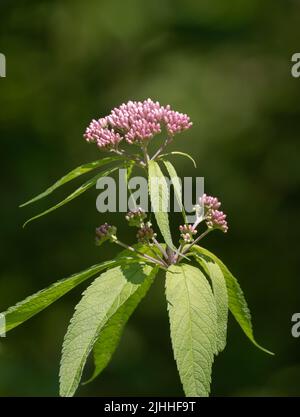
(225, 63)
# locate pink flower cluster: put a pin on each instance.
(217, 219)
(214, 217)
(135, 121)
(209, 202)
(99, 132)
(186, 232)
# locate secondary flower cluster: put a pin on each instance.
(206, 210)
(105, 232)
(135, 122)
(187, 232)
(215, 219)
(136, 217)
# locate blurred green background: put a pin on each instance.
(226, 64)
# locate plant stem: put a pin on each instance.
(156, 255)
(161, 148)
(144, 255)
(160, 248)
(146, 156)
(129, 157)
(196, 241)
(178, 252)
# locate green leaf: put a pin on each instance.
(99, 303)
(193, 321)
(181, 154)
(177, 186)
(37, 302)
(110, 336)
(236, 300)
(129, 169)
(82, 169)
(88, 184)
(159, 196)
(220, 292)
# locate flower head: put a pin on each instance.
(216, 219)
(135, 121)
(105, 232)
(208, 210)
(209, 202)
(187, 232)
(145, 233)
(136, 217)
(99, 132)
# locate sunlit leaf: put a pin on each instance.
(236, 300)
(99, 303)
(193, 322)
(186, 155)
(110, 336)
(177, 187)
(159, 196)
(88, 184)
(82, 169)
(216, 276)
(37, 302)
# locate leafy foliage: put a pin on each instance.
(37, 302)
(100, 302)
(88, 184)
(76, 172)
(109, 338)
(177, 186)
(218, 282)
(197, 302)
(193, 322)
(159, 195)
(186, 155)
(236, 300)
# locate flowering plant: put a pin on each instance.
(199, 288)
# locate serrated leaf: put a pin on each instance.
(99, 303)
(236, 300)
(177, 186)
(193, 322)
(181, 154)
(76, 172)
(220, 293)
(37, 302)
(159, 196)
(110, 336)
(88, 184)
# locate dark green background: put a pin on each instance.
(225, 63)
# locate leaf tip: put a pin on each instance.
(26, 223)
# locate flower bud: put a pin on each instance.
(209, 202)
(216, 219)
(145, 233)
(136, 217)
(187, 233)
(105, 232)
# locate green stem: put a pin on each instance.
(194, 243)
(144, 255)
(161, 148)
(146, 156)
(160, 248)
(130, 157)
